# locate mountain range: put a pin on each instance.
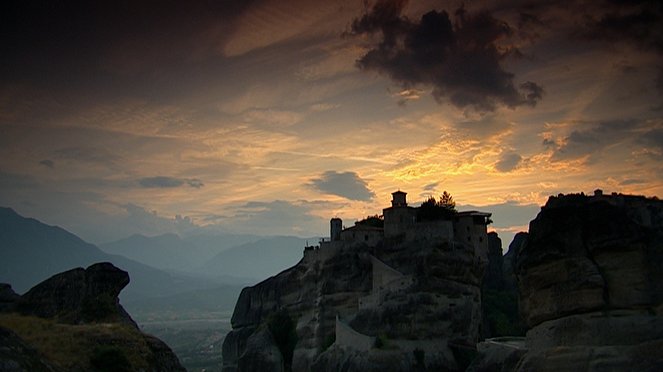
(161, 266)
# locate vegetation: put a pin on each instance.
(380, 341)
(372, 221)
(283, 329)
(73, 347)
(501, 309)
(432, 209)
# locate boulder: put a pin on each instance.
(79, 296)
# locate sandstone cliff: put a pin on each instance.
(73, 321)
(590, 284)
(413, 305)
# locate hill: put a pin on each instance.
(31, 251)
(258, 260)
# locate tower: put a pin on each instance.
(398, 199)
(336, 225)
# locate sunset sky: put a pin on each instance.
(271, 117)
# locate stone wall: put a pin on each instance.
(346, 337)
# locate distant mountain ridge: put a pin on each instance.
(31, 251)
(259, 260)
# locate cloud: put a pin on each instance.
(587, 142)
(460, 60)
(273, 117)
(636, 22)
(653, 139)
(346, 184)
(508, 162)
(631, 181)
(164, 182)
(90, 155)
(47, 163)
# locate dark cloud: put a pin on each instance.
(47, 163)
(637, 22)
(591, 141)
(431, 186)
(460, 59)
(346, 184)
(508, 162)
(90, 155)
(164, 182)
(653, 139)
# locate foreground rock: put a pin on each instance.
(73, 321)
(590, 284)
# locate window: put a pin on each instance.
(469, 239)
(366, 237)
(480, 239)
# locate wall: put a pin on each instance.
(397, 220)
(348, 337)
(441, 230)
(358, 234)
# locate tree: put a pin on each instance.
(447, 201)
(432, 209)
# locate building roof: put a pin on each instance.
(473, 213)
(363, 228)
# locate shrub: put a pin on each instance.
(284, 331)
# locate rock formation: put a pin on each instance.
(436, 311)
(590, 284)
(81, 308)
(79, 296)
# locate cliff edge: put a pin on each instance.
(590, 284)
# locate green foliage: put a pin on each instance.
(109, 359)
(283, 329)
(501, 309)
(432, 210)
(380, 341)
(373, 221)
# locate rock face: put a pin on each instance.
(79, 296)
(426, 303)
(494, 277)
(80, 305)
(590, 284)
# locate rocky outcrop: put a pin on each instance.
(79, 296)
(79, 308)
(436, 312)
(510, 281)
(589, 276)
(494, 277)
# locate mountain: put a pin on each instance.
(31, 252)
(258, 260)
(166, 251)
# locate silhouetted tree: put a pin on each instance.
(447, 201)
(432, 209)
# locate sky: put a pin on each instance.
(271, 116)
